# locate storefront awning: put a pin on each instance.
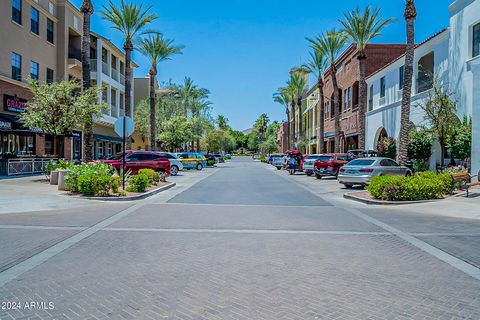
(7, 122)
(107, 138)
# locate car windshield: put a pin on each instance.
(361, 162)
(324, 158)
(116, 156)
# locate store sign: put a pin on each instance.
(76, 134)
(13, 104)
(5, 125)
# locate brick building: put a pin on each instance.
(378, 55)
(282, 137)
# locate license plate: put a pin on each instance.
(351, 172)
(322, 170)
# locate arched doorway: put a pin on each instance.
(381, 134)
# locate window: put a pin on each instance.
(476, 40)
(382, 87)
(50, 29)
(49, 76)
(347, 93)
(425, 72)
(401, 75)
(33, 70)
(17, 11)
(34, 20)
(16, 66)
(51, 8)
(370, 98)
(75, 22)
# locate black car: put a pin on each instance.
(211, 160)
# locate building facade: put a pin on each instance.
(282, 137)
(41, 40)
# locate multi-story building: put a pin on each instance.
(282, 137)
(385, 89)
(452, 57)
(310, 119)
(41, 40)
(348, 77)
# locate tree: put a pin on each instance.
(270, 145)
(87, 10)
(157, 49)
(241, 139)
(177, 131)
(297, 85)
(261, 125)
(410, 15)
(330, 44)
(282, 97)
(217, 139)
(317, 65)
(440, 114)
(361, 28)
(222, 122)
(60, 107)
(459, 141)
(130, 19)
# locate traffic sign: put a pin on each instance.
(129, 126)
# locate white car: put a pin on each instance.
(175, 163)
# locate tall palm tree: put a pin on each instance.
(297, 85)
(130, 19)
(317, 65)
(410, 15)
(282, 97)
(87, 11)
(330, 44)
(157, 49)
(361, 28)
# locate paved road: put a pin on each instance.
(238, 242)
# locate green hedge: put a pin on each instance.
(153, 176)
(423, 186)
(92, 179)
(138, 183)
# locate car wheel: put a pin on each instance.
(279, 168)
(348, 186)
(173, 170)
(318, 176)
(309, 174)
(408, 174)
(199, 166)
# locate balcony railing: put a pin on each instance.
(115, 74)
(105, 68)
(74, 53)
(93, 65)
(114, 111)
(122, 79)
(382, 101)
(424, 84)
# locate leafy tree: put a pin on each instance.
(217, 139)
(282, 97)
(222, 122)
(459, 141)
(177, 131)
(240, 139)
(157, 49)
(361, 28)
(387, 147)
(440, 114)
(419, 149)
(270, 145)
(61, 107)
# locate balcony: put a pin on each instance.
(74, 58)
(105, 69)
(93, 65)
(424, 84)
(114, 112)
(115, 74)
(122, 79)
(382, 101)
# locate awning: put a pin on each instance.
(332, 134)
(354, 134)
(107, 138)
(9, 122)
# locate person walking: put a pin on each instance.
(291, 164)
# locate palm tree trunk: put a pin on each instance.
(321, 120)
(300, 119)
(128, 47)
(410, 15)
(153, 131)
(362, 110)
(288, 128)
(336, 107)
(293, 140)
(87, 11)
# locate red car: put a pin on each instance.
(136, 160)
(329, 164)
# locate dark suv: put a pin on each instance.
(136, 160)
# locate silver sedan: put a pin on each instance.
(361, 171)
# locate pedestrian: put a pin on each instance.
(291, 164)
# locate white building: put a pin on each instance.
(108, 73)
(464, 65)
(453, 57)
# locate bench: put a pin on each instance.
(463, 181)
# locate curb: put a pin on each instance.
(352, 196)
(132, 198)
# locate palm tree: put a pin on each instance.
(330, 44)
(87, 11)
(361, 28)
(282, 97)
(157, 49)
(130, 19)
(317, 65)
(410, 15)
(297, 85)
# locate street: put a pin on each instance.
(241, 241)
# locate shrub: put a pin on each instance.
(387, 147)
(420, 165)
(262, 158)
(420, 145)
(91, 173)
(138, 183)
(424, 186)
(153, 176)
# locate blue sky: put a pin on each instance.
(242, 50)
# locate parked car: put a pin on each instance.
(219, 157)
(136, 160)
(300, 159)
(361, 171)
(193, 160)
(278, 161)
(329, 164)
(175, 163)
(273, 157)
(308, 165)
(360, 153)
(228, 156)
(211, 159)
